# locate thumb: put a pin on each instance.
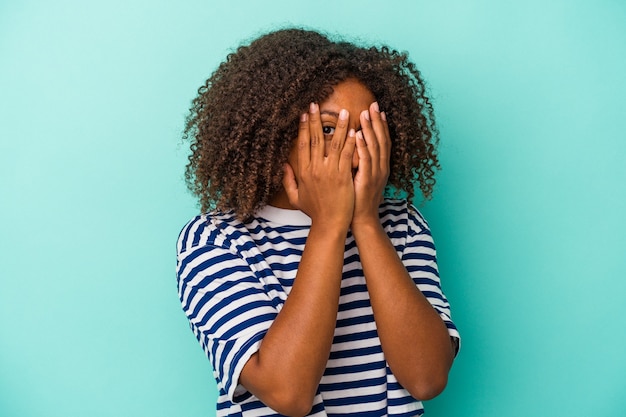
(290, 184)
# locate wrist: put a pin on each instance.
(329, 229)
(365, 226)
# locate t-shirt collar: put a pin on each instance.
(283, 217)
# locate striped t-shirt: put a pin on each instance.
(234, 277)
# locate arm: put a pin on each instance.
(414, 338)
(285, 372)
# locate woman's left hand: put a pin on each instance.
(373, 146)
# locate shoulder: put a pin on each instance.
(400, 214)
(210, 229)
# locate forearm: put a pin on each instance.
(413, 336)
(286, 370)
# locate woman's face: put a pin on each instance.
(350, 95)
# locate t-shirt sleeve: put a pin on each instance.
(228, 310)
(420, 259)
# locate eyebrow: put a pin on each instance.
(330, 113)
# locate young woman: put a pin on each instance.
(310, 292)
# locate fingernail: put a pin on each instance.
(303, 117)
(366, 114)
(312, 108)
(375, 107)
(383, 116)
(343, 114)
(359, 135)
(351, 133)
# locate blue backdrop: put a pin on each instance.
(528, 213)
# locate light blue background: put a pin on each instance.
(528, 213)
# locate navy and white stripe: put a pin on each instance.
(233, 279)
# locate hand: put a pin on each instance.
(373, 146)
(321, 186)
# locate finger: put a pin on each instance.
(383, 117)
(370, 138)
(339, 137)
(290, 184)
(365, 159)
(348, 152)
(382, 134)
(304, 142)
(317, 134)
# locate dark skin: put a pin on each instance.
(349, 155)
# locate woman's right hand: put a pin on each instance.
(321, 183)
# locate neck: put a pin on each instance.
(281, 200)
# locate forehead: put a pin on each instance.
(349, 94)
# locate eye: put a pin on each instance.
(328, 130)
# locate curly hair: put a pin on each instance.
(244, 119)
